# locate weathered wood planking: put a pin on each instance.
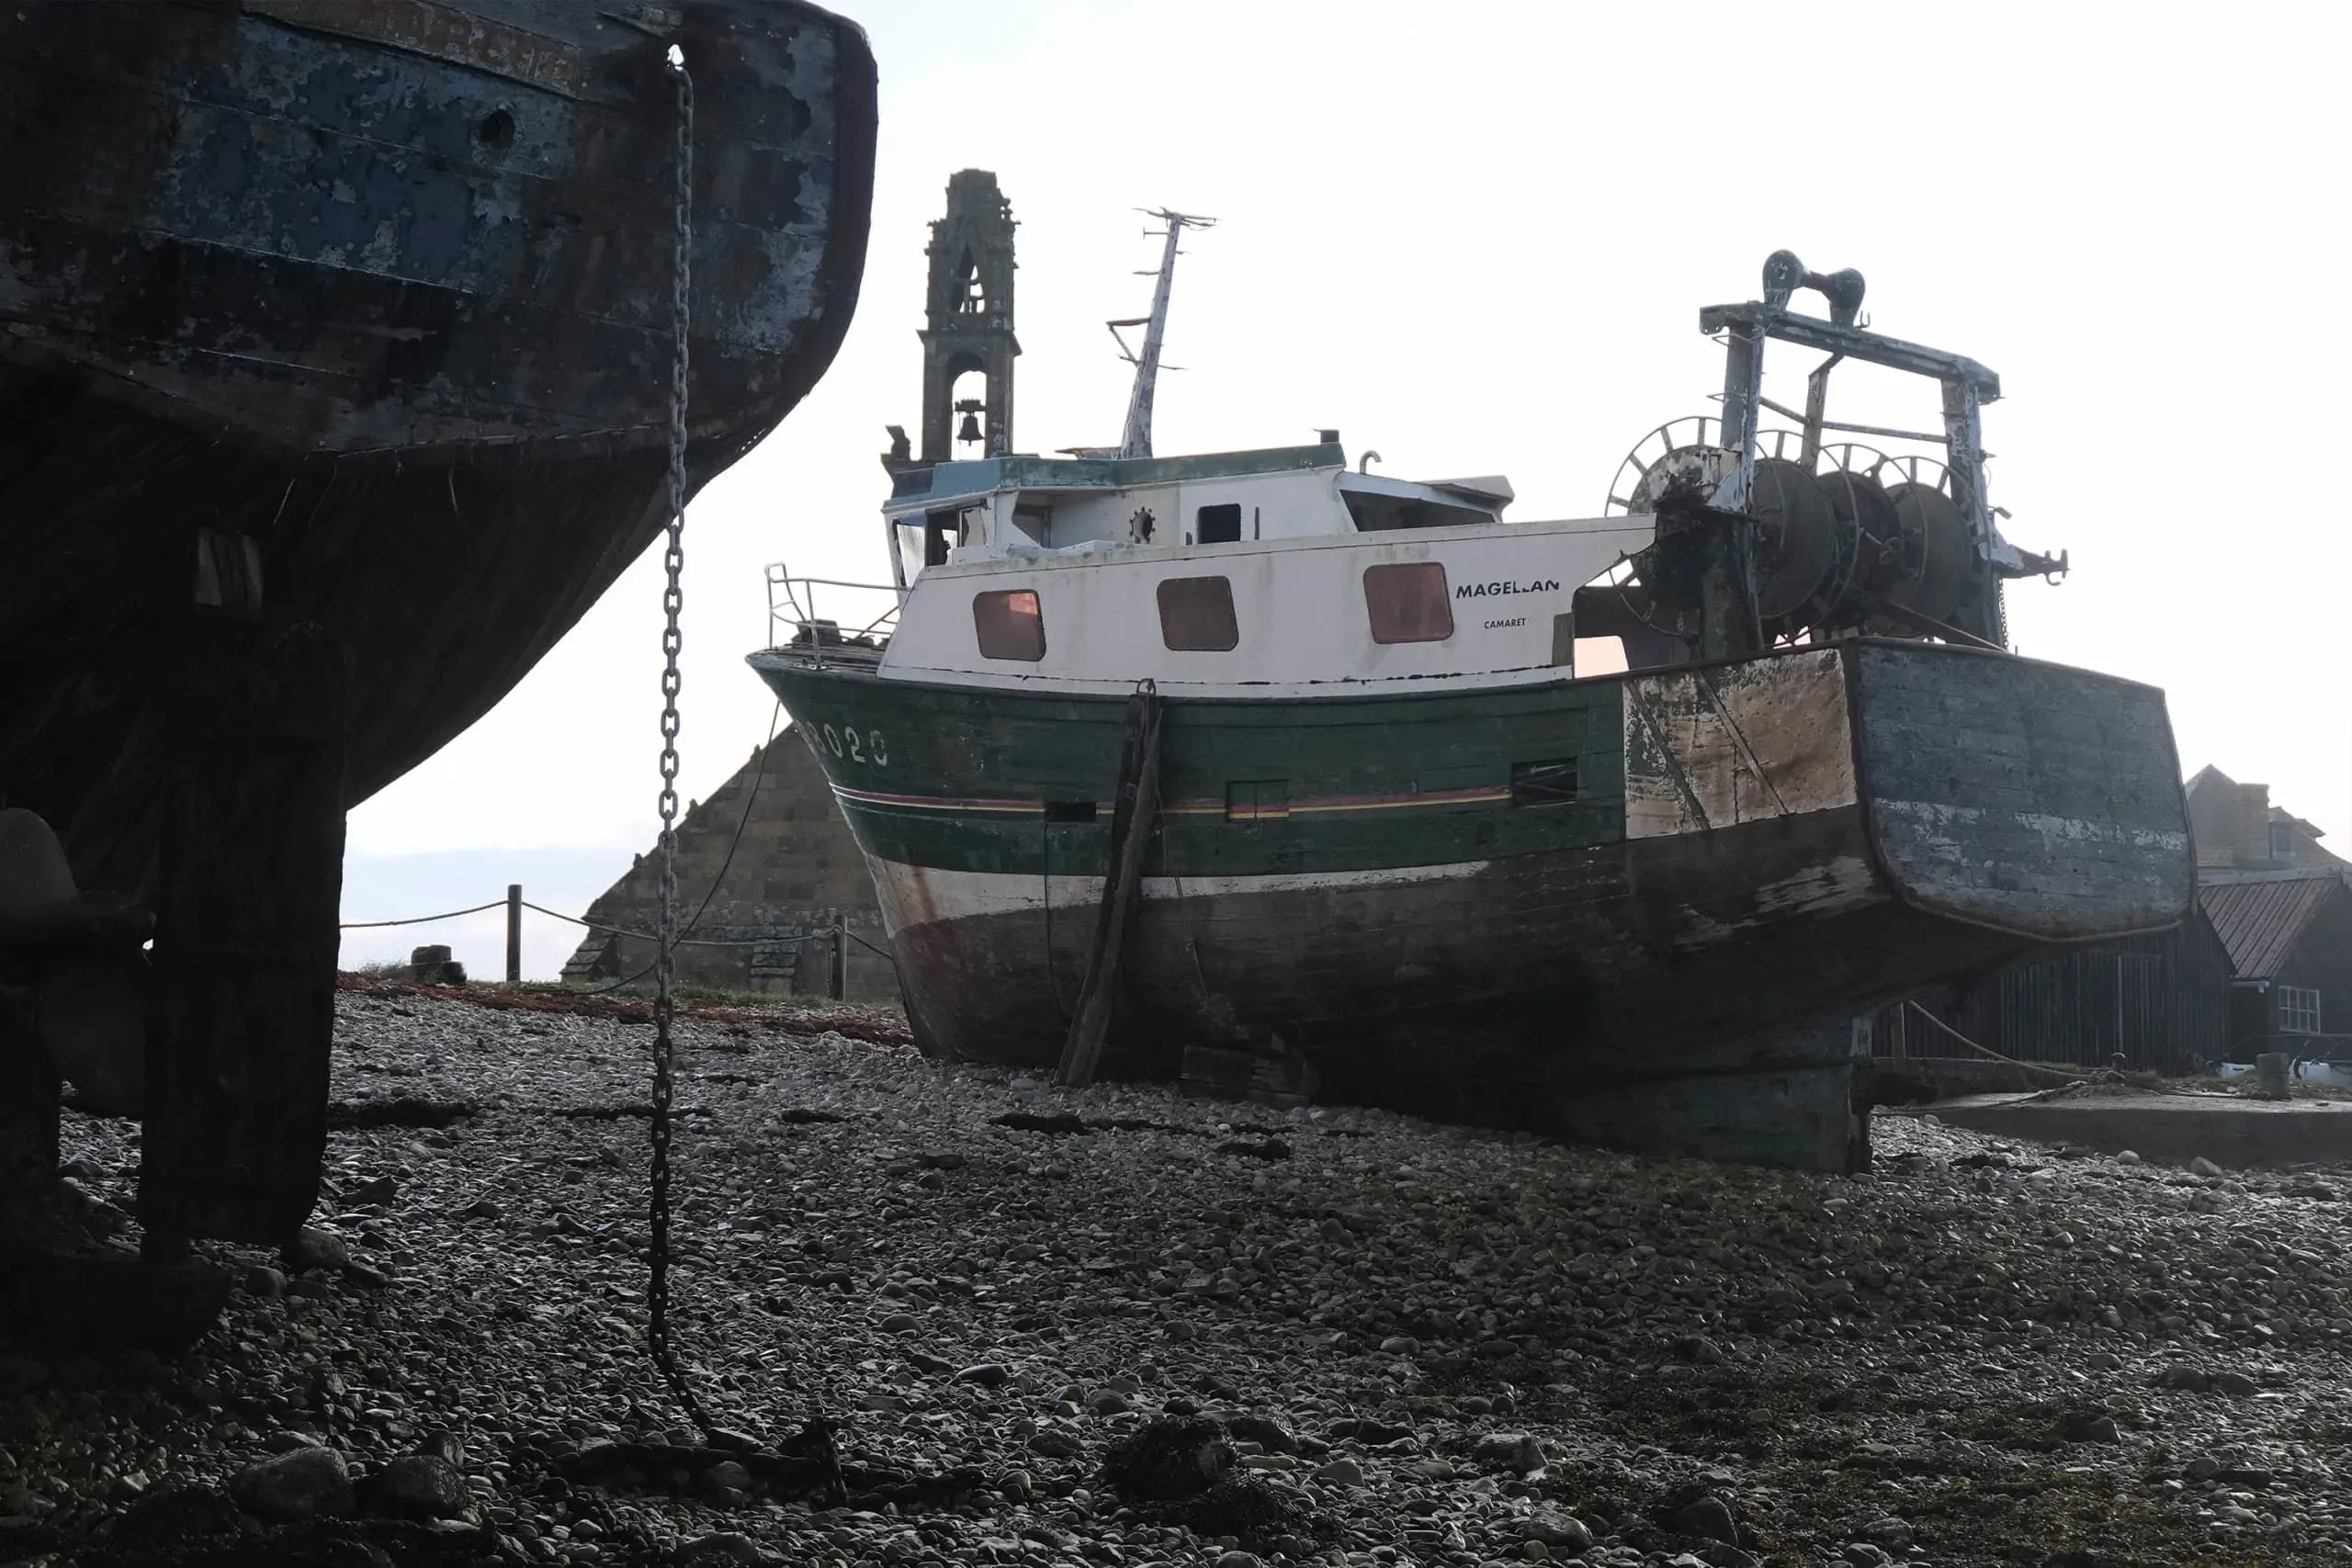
(1715, 745)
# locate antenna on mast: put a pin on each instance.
(1137, 440)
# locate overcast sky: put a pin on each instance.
(1476, 237)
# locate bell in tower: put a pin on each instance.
(968, 322)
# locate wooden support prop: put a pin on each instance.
(249, 878)
(1136, 812)
(29, 1117)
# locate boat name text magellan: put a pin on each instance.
(1486, 590)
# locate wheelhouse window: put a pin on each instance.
(1010, 624)
(1408, 602)
(934, 537)
(1196, 614)
(1218, 525)
(2297, 1010)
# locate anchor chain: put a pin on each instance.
(673, 561)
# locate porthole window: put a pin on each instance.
(1408, 602)
(1010, 624)
(1196, 614)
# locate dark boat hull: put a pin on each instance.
(1752, 850)
(385, 290)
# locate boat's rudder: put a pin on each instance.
(2031, 798)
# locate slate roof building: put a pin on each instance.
(2289, 934)
(2235, 828)
(2160, 1002)
(2264, 963)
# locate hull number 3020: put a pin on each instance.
(846, 742)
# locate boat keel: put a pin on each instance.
(1793, 1098)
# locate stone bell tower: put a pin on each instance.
(968, 322)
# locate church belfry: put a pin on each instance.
(968, 322)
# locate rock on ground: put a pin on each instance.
(303, 1483)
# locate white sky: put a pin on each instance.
(1476, 238)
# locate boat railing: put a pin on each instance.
(853, 618)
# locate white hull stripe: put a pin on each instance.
(913, 894)
(1477, 795)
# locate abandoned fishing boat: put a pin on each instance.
(1282, 771)
(361, 317)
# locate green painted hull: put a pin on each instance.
(959, 779)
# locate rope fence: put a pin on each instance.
(633, 935)
(428, 920)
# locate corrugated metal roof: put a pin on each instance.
(2260, 914)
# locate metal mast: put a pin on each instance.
(1137, 440)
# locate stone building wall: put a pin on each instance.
(796, 874)
(2235, 827)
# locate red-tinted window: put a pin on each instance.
(1408, 602)
(1009, 624)
(1196, 614)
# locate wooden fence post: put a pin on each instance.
(514, 933)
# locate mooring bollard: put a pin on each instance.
(2270, 1079)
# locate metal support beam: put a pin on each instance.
(1816, 408)
(1854, 342)
(1743, 390)
(1728, 622)
(1965, 451)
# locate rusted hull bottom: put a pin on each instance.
(1584, 991)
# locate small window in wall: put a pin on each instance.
(1408, 602)
(1010, 624)
(1218, 525)
(1257, 800)
(2282, 841)
(1543, 784)
(1196, 614)
(2297, 1010)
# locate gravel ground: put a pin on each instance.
(1428, 1344)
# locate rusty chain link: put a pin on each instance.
(673, 561)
